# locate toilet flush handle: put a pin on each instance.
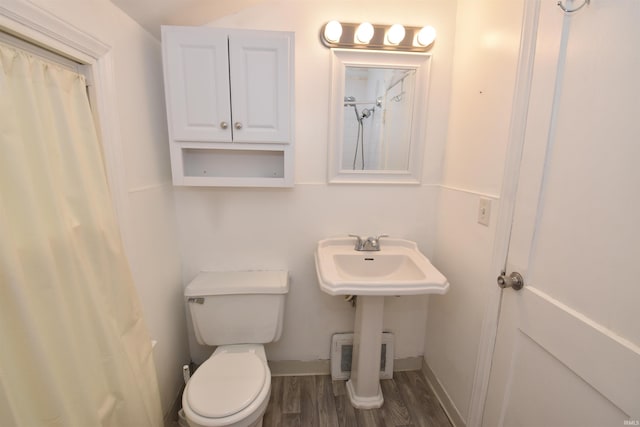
(197, 300)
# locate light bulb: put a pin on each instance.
(332, 31)
(426, 36)
(395, 34)
(364, 33)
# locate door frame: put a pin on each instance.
(515, 147)
(42, 28)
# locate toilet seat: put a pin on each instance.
(226, 384)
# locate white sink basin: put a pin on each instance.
(399, 268)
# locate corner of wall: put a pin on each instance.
(445, 400)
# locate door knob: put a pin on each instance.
(514, 280)
(224, 125)
(237, 125)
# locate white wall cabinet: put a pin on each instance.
(229, 97)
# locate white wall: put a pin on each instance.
(278, 228)
(148, 218)
(485, 59)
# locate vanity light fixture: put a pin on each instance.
(332, 31)
(426, 36)
(365, 35)
(395, 34)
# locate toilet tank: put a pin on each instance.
(238, 307)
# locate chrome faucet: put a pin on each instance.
(368, 245)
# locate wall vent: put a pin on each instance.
(342, 349)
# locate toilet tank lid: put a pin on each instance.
(238, 282)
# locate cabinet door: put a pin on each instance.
(196, 68)
(260, 68)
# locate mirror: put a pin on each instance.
(378, 110)
(377, 118)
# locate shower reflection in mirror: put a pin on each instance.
(378, 111)
(378, 105)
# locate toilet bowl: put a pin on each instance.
(231, 388)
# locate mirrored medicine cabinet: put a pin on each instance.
(377, 116)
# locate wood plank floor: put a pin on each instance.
(316, 401)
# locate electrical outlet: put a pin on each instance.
(484, 211)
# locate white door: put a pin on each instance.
(568, 345)
(261, 86)
(196, 69)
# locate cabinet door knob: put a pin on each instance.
(237, 125)
(224, 125)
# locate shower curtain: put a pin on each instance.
(74, 349)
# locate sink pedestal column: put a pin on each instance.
(364, 386)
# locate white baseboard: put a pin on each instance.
(283, 368)
(408, 364)
(445, 401)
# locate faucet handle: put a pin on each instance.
(359, 241)
(373, 243)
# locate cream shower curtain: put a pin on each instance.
(74, 349)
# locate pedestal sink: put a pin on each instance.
(398, 268)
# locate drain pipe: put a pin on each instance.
(182, 419)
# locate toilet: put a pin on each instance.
(238, 312)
